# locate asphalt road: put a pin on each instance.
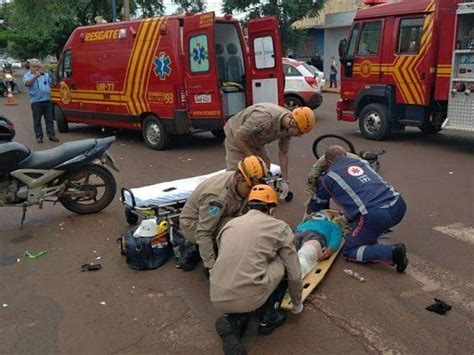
(48, 306)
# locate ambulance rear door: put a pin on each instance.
(265, 80)
(202, 86)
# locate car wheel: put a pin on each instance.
(154, 133)
(374, 123)
(292, 102)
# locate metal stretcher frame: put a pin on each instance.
(172, 209)
(164, 211)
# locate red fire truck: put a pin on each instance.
(168, 75)
(409, 63)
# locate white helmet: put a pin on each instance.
(147, 228)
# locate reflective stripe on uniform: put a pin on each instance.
(340, 181)
(319, 200)
(360, 253)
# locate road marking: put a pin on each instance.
(433, 278)
(458, 231)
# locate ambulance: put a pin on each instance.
(167, 75)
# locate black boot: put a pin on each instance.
(271, 317)
(189, 257)
(230, 328)
(400, 257)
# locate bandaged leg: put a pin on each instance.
(308, 255)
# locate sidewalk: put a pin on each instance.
(326, 88)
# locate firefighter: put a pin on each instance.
(248, 131)
(213, 203)
(366, 199)
(255, 252)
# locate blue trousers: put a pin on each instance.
(43, 108)
(361, 243)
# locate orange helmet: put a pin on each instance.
(263, 193)
(253, 169)
(304, 118)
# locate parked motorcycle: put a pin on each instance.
(72, 174)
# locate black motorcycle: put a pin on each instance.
(72, 174)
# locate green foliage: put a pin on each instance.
(287, 11)
(36, 28)
(190, 6)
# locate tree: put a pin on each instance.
(36, 28)
(287, 11)
(190, 6)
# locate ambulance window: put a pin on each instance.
(65, 66)
(264, 52)
(353, 41)
(369, 39)
(198, 54)
(409, 35)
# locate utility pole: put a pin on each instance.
(126, 10)
(114, 12)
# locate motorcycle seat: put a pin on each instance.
(50, 158)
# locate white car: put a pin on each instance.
(319, 73)
(16, 64)
(302, 85)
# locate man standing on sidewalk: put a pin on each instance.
(39, 88)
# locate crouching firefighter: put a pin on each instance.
(255, 252)
(211, 205)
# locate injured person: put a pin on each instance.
(316, 239)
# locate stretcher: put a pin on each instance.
(312, 280)
(166, 199)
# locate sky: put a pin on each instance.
(211, 5)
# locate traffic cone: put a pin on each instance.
(10, 98)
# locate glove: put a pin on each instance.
(297, 308)
(285, 188)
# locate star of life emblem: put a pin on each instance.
(355, 170)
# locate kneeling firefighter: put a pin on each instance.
(255, 252)
(211, 205)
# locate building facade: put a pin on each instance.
(324, 32)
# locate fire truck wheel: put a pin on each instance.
(154, 133)
(374, 123)
(61, 121)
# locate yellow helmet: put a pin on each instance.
(263, 193)
(253, 169)
(304, 118)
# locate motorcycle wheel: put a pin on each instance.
(323, 142)
(93, 179)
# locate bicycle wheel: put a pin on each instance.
(322, 143)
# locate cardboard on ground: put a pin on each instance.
(312, 280)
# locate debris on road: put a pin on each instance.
(354, 274)
(90, 267)
(5, 305)
(439, 307)
(102, 303)
(29, 255)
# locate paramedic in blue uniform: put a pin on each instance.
(366, 199)
(39, 88)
